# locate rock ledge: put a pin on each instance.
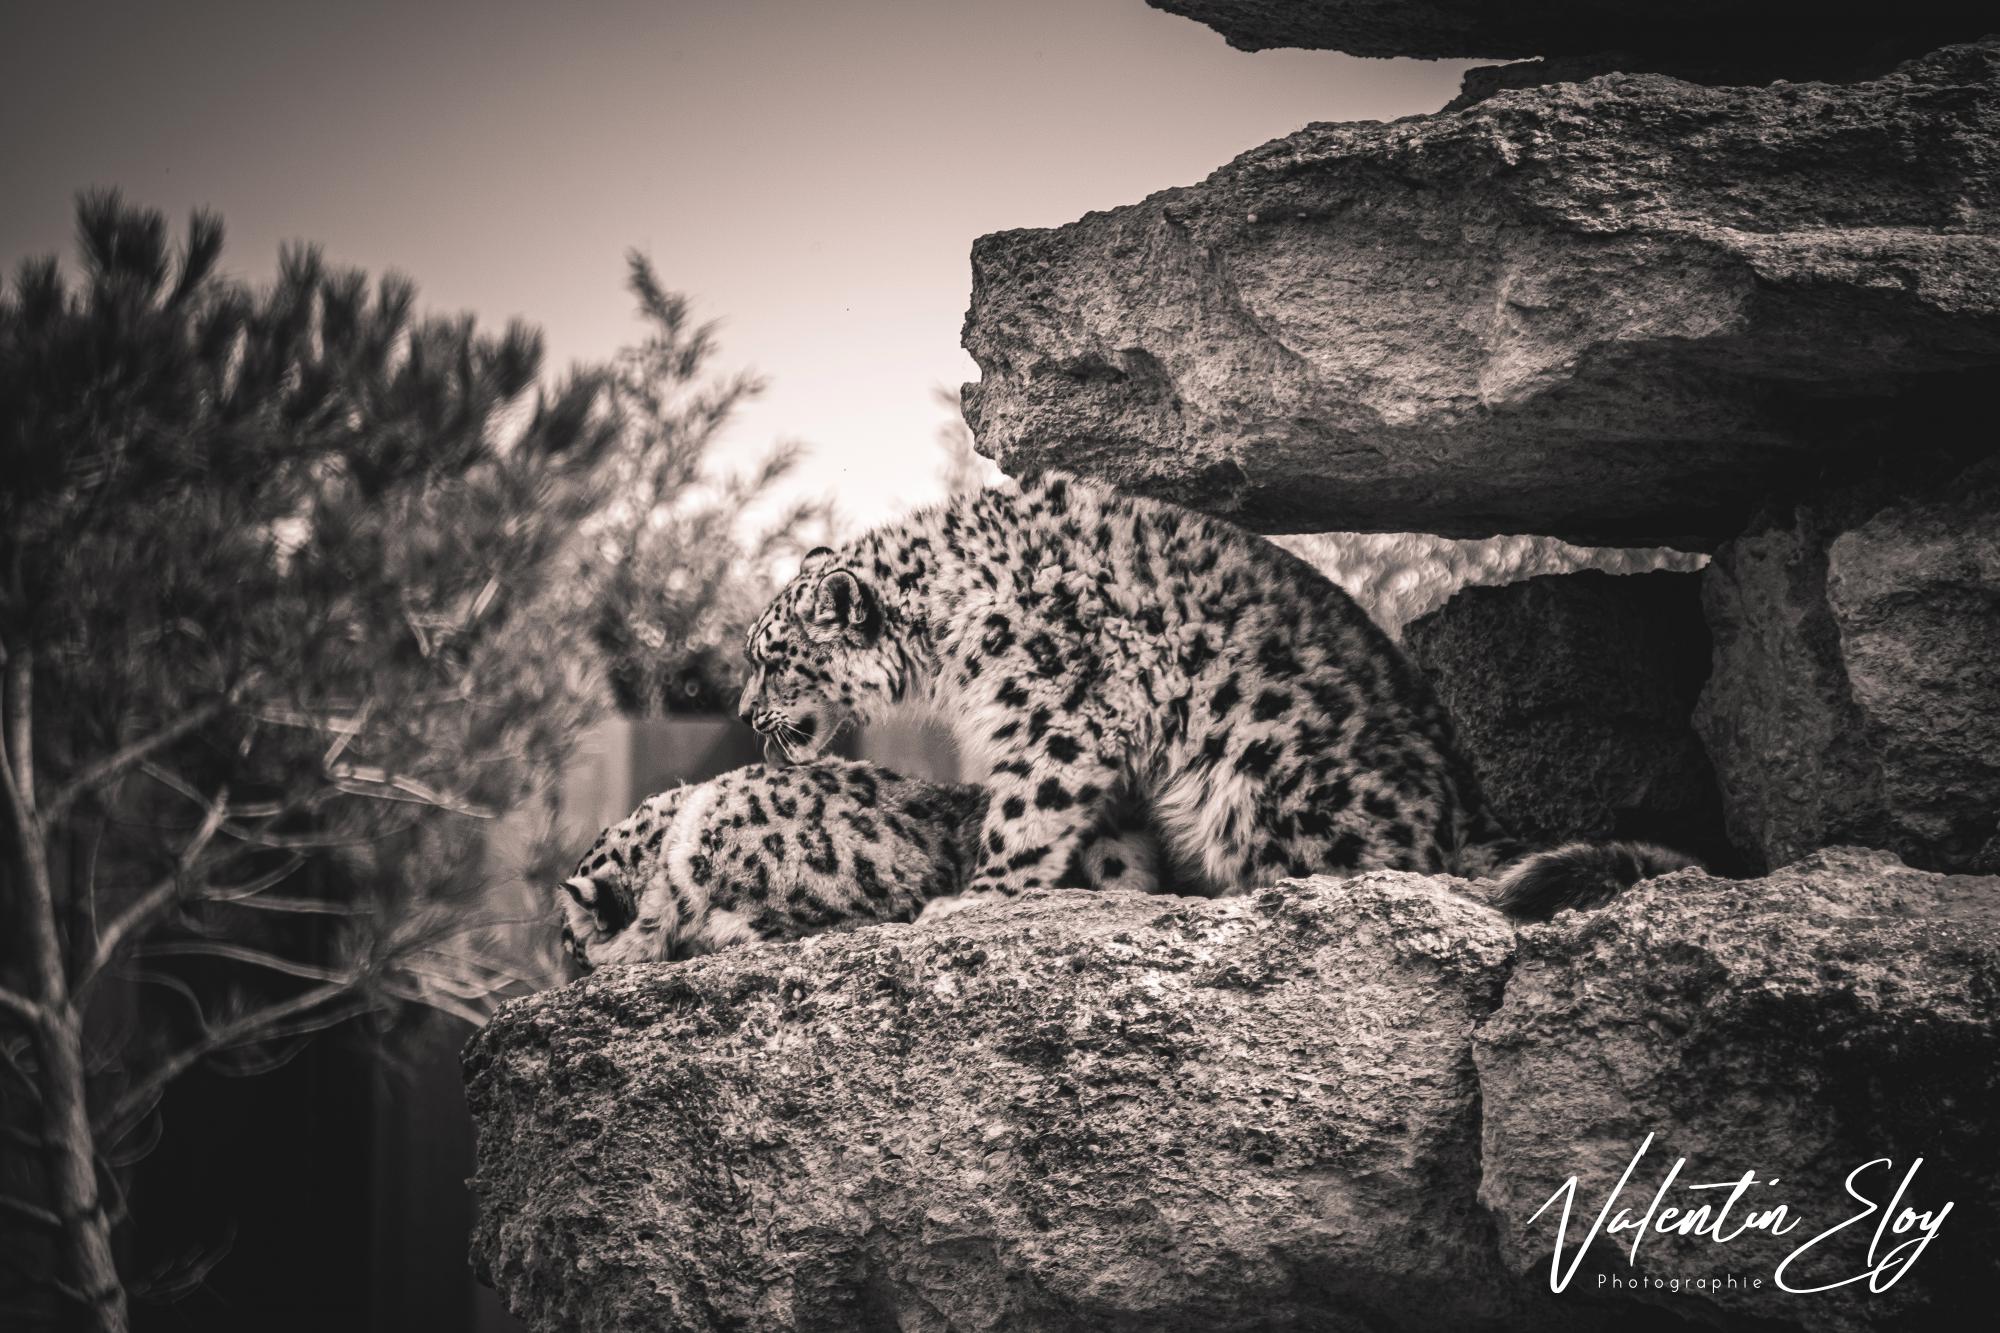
(1618, 311)
(1112, 1112)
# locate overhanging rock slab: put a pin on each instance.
(1617, 311)
(1769, 38)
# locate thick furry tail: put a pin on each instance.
(1581, 875)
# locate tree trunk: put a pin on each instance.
(72, 1153)
(66, 1135)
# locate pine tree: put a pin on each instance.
(676, 574)
(279, 628)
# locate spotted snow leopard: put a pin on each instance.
(1091, 647)
(771, 853)
(767, 854)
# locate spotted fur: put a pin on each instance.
(767, 854)
(1093, 647)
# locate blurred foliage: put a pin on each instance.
(286, 616)
(965, 468)
(679, 565)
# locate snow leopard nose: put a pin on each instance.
(746, 706)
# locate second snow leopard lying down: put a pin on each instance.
(767, 854)
(764, 853)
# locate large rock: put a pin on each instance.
(1800, 1027)
(1774, 38)
(1571, 695)
(1855, 695)
(1088, 1113)
(1121, 1113)
(1616, 311)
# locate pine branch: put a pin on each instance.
(17, 742)
(156, 899)
(115, 1122)
(12, 1064)
(239, 953)
(125, 757)
(378, 784)
(443, 1004)
(273, 810)
(33, 1212)
(252, 888)
(26, 1009)
(38, 1275)
(299, 906)
(181, 786)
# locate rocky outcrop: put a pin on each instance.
(1855, 695)
(1122, 1113)
(1571, 694)
(1753, 40)
(1100, 1113)
(1617, 311)
(1799, 1027)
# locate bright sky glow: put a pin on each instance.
(813, 174)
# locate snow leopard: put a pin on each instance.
(764, 854)
(1089, 647)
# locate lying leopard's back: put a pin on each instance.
(768, 853)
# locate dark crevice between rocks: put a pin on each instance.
(1747, 41)
(1714, 64)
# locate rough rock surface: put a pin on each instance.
(1571, 694)
(1274, 1112)
(1616, 311)
(1089, 1113)
(1767, 38)
(1855, 695)
(1800, 1026)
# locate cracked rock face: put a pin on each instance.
(1064, 1112)
(1777, 38)
(1325, 1105)
(1800, 1026)
(1855, 695)
(1616, 311)
(1282, 1111)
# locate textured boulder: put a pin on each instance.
(1771, 38)
(1064, 1112)
(1616, 311)
(1843, 1010)
(1571, 694)
(1855, 694)
(1323, 1106)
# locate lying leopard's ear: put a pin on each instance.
(594, 904)
(844, 607)
(816, 559)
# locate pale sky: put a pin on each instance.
(811, 173)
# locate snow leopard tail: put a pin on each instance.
(1581, 875)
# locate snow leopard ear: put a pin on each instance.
(844, 607)
(594, 904)
(816, 559)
